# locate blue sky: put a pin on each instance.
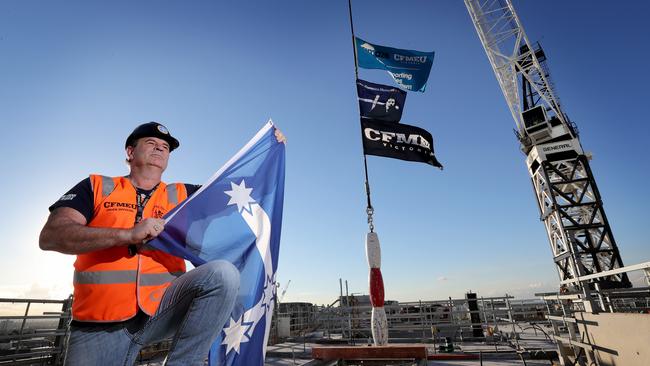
(77, 77)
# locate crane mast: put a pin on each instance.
(567, 195)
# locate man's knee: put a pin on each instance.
(222, 274)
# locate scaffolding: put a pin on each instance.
(570, 314)
(499, 321)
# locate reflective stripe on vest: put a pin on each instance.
(157, 279)
(116, 277)
(172, 194)
(105, 277)
(108, 185)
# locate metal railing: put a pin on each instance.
(500, 318)
(34, 337)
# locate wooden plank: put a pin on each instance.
(391, 351)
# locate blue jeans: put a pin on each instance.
(193, 309)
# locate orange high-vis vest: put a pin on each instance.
(109, 284)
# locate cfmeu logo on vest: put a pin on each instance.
(158, 211)
(120, 206)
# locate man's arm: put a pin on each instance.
(66, 232)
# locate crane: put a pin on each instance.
(283, 292)
(569, 202)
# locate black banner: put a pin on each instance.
(380, 102)
(399, 141)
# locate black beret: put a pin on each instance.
(152, 129)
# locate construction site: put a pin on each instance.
(594, 327)
(597, 316)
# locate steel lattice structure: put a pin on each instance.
(511, 55)
(570, 205)
(572, 211)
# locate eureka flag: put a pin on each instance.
(410, 69)
(399, 141)
(380, 102)
(237, 216)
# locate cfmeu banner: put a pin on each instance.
(410, 69)
(399, 141)
(237, 216)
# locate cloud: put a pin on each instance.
(37, 291)
(535, 285)
(443, 279)
(11, 291)
(22, 292)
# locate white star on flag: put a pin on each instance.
(269, 293)
(240, 196)
(235, 334)
(241, 330)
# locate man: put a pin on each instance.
(127, 294)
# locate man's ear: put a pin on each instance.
(129, 154)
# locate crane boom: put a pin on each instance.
(567, 195)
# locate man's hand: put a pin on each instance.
(146, 230)
(280, 136)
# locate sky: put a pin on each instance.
(77, 76)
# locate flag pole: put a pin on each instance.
(379, 323)
(369, 209)
(354, 44)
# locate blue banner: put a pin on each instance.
(380, 102)
(237, 216)
(410, 69)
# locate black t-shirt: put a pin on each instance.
(81, 197)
